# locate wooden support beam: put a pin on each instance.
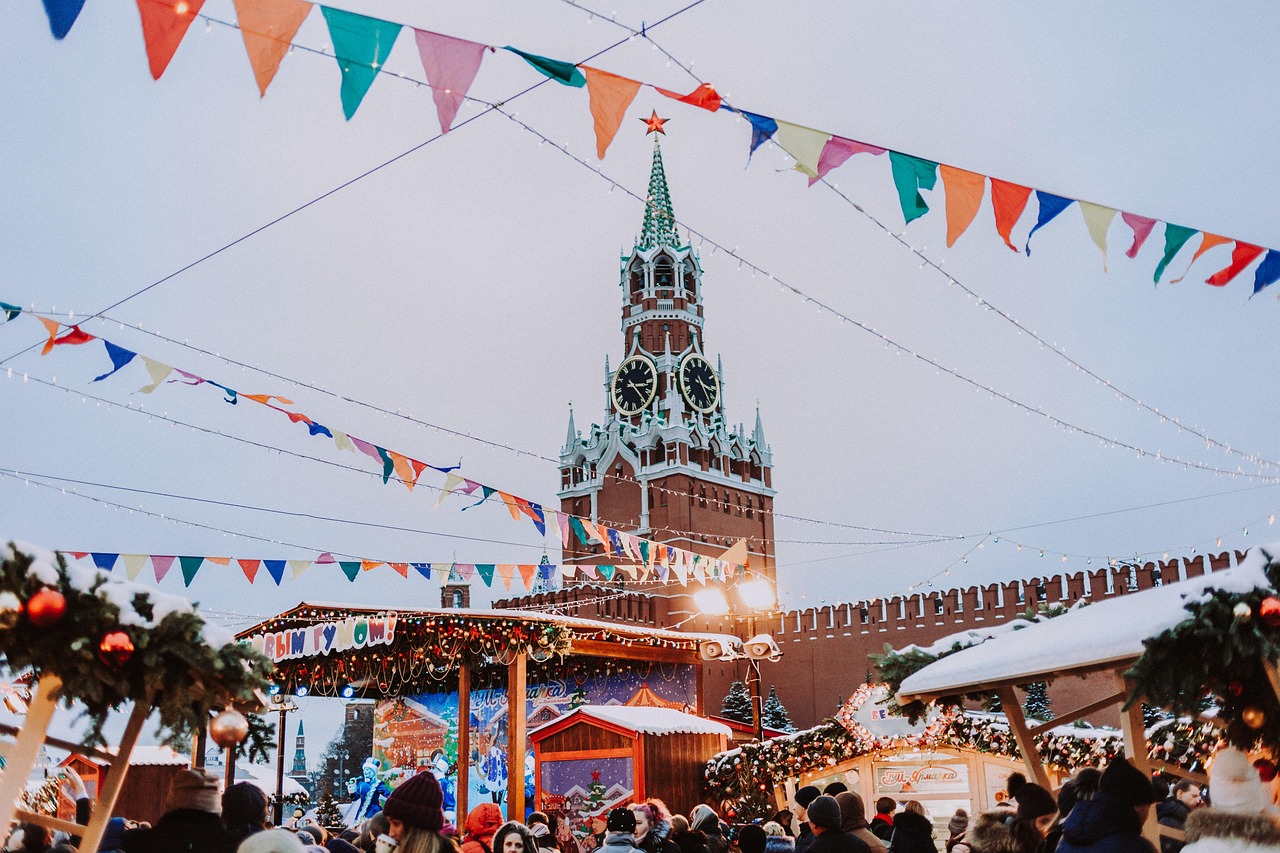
(109, 791)
(464, 743)
(49, 822)
(1182, 772)
(23, 756)
(617, 651)
(91, 751)
(1135, 748)
(1026, 743)
(1078, 714)
(1270, 668)
(517, 742)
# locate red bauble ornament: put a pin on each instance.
(115, 649)
(1266, 769)
(1269, 611)
(46, 607)
(228, 728)
(1235, 689)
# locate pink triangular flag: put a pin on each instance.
(1141, 226)
(451, 65)
(161, 565)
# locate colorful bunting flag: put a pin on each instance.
(485, 571)
(423, 569)
(804, 144)
(451, 65)
(191, 565)
(1098, 220)
(964, 192)
(836, 151)
(1141, 226)
(164, 24)
(350, 568)
(1206, 243)
(762, 129)
(133, 564)
(562, 72)
(527, 571)
(1175, 237)
(705, 97)
(1008, 201)
(267, 28)
(10, 311)
(1241, 256)
(62, 14)
(1268, 271)
(609, 96)
(297, 568)
(160, 566)
(104, 562)
(910, 175)
(1050, 206)
(361, 45)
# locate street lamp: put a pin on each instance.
(282, 705)
(756, 597)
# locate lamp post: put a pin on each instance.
(755, 597)
(282, 705)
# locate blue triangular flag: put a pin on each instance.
(423, 569)
(119, 358)
(275, 568)
(1050, 206)
(62, 14)
(762, 128)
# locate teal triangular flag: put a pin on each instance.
(1175, 237)
(10, 311)
(910, 175)
(361, 45)
(350, 569)
(190, 565)
(562, 72)
(485, 571)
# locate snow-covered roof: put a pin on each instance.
(1106, 632)
(265, 778)
(156, 755)
(647, 720)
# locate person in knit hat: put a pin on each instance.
(803, 799)
(1241, 816)
(825, 820)
(1022, 831)
(244, 810)
(957, 826)
(415, 811)
(272, 841)
(1111, 822)
(192, 822)
(751, 839)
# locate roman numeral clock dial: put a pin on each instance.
(634, 385)
(699, 384)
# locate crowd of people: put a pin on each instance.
(1093, 812)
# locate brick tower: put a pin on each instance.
(665, 463)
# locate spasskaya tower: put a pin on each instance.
(665, 463)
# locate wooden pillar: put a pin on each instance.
(464, 745)
(1026, 743)
(1135, 749)
(517, 742)
(109, 790)
(22, 756)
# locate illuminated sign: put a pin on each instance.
(354, 632)
(894, 779)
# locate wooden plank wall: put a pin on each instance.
(583, 736)
(673, 768)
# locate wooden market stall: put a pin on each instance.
(336, 649)
(1108, 640)
(652, 752)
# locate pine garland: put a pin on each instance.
(173, 666)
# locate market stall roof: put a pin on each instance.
(1100, 636)
(637, 719)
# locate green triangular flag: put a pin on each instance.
(910, 175)
(1175, 237)
(485, 571)
(562, 72)
(607, 572)
(644, 551)
(387, 465)
(190, 565)
(361, 45)
(350, 569)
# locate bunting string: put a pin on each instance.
(363, 43)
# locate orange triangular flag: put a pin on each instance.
(510, 502)
(403, 470)
(527, 571)
(1209, 241)
(369, 565)
(51, 326)
(610, 96)
(1009, 200)
(507, 571)
(268, 26)
(221, 561)
(964, 197)
(164, 23)
(402, 569)
(250, 568)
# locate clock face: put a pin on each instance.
(634, 385)
(698, 383)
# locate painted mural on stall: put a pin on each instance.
(412, 733)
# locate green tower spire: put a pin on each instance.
(659, 220)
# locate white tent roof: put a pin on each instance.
(265, 778)
(1105, 632)
(652, 721)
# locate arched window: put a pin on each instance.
(457, 598)
(636, 280)
(664, 273)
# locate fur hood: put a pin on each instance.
(990, 834)
(660, 829)
(1208, 828)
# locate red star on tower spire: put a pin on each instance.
(654, 124)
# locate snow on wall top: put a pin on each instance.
(1105, 632)
(654, 721)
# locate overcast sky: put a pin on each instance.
(473, 285)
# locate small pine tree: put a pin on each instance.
(1152, 714)
(328, 815)
(774, 714)
(737, 704)
(992, 704)
(1038, 704)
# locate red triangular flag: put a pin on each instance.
(1009, 200)
(705, 96)
(250, 568)
(1241, 256)
(164, 23)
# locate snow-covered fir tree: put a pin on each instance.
(1037, 704)
(774, 713)
(737, 704)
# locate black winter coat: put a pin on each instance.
(658, 839)
(912, 833)
(1172, 813)
(1102, 825)
(690, 841)
(835, 841)
(181, 831)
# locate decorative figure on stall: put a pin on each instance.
(370, 791)
(444, 773)
(493, 772)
